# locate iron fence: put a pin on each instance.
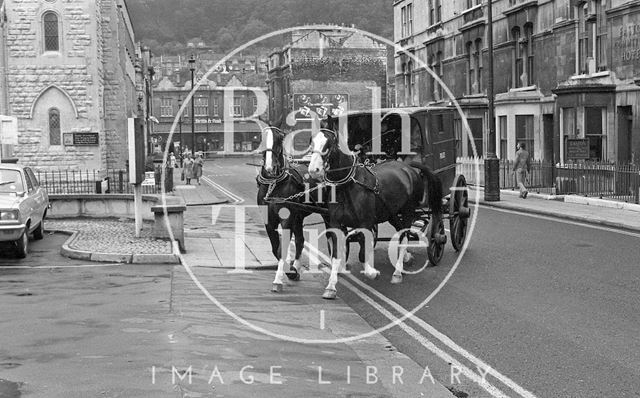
(99, 182)
(596, 179)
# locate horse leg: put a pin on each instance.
(402, 254)
(293, 258)
(330, 292)
(274, 238)
(366, 254)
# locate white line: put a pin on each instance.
(491, 389)
(565, 221)
(237, 199)
(446, 340)
(321, 319)
(431, 330)
(59, 266)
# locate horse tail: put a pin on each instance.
(434, 187)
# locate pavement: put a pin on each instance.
(212, 260)
(601, 212)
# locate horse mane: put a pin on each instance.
(434, 187)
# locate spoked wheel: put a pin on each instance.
(460, 212)
(437, 240)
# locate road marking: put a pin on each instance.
(321, 319)
(481, 365)
(235, 198)
(446, 340)
(482, 382)
(565, 221)
(59, 266)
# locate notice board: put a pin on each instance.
(86, 139)
(577, 148)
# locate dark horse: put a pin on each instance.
(280, 180)
(366, 196)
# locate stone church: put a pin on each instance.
(71, 73)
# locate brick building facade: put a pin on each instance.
(325, 72)
(227, 105)
(564, 72)
(69, 79)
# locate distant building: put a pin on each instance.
(226, 106)
(73, 74)
(325, 72)
(564, 72)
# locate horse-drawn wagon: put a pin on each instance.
(417, 135)
(389, 165)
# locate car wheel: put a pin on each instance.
(22, 245)
(39, 231)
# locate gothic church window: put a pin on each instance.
(54, 127)
(51, 34)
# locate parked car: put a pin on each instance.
(23, 206)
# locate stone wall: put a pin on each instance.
(38, 81)
(89, 72)
(118, 89)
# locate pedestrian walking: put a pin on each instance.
(197, 167)
(188, 168)
(522, 167)
(172, 161)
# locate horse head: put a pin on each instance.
(323, 144)
(273, 152)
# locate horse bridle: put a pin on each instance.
(272, 182)
(327, 168)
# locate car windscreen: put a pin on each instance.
(10, 181)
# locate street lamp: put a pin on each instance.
(491, 162)
(192, 68)
(180, 131)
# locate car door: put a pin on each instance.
(40, 194)
(33, 199)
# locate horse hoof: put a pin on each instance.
(276, 288)
(293, 274)
(372, 275)
(329, 294)
(395, 279)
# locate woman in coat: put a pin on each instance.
(197, 167)
(188, 168)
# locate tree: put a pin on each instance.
(253, 29)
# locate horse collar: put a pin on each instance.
(352, 172)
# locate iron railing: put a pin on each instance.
(595, 179)
(98, 181)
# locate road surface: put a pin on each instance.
(550, 306)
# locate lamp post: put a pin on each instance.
(192, 68)
(180, 132)
(491, 162)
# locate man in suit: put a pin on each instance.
(522, 167)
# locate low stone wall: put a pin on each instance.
(99, 206)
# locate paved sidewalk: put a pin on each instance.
(565, 207)
(194, 194)
(292, 365)
(111, 240)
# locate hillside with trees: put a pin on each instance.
(168, 25)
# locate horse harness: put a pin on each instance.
(351, 177)
(272, 182)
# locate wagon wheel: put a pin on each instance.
(437, 241)
(459, 212)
